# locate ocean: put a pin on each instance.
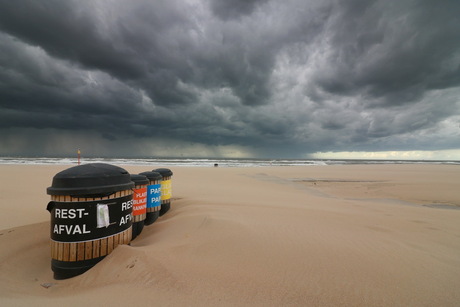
(201, 162)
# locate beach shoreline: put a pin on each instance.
(362, 235)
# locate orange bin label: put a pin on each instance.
(140, 201)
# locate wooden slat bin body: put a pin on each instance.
(153, 196)
(91, 214)
(166, 189)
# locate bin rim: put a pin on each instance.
(80, 191)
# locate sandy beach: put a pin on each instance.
(343, 235)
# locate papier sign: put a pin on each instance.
(89, 220)
(153, 195)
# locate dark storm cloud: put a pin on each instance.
(158, 45)
(285, 77)
(393, 52)
(234, 8)
(69, 31)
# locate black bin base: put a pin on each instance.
(69, 269)
(151, 217)
(137, 229)
(165, 208)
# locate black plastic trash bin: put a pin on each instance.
(91, 214)
(166, 189)
(153, 196)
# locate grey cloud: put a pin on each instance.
(234, 8)
(381, 50)
(157, 46)
(69, 30)
(281, 78)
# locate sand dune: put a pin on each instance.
(359, 235)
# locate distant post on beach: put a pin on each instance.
(78, 156)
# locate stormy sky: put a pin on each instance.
(229, 78)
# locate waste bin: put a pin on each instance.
(91, 214)
(153, 196)
(166, 189)
(139, 203)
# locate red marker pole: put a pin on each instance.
(78, 154)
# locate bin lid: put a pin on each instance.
(91, 179)
(165, 172)
(139, 179)
(152, 175)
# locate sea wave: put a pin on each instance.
(190, 162)
(205, 162)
